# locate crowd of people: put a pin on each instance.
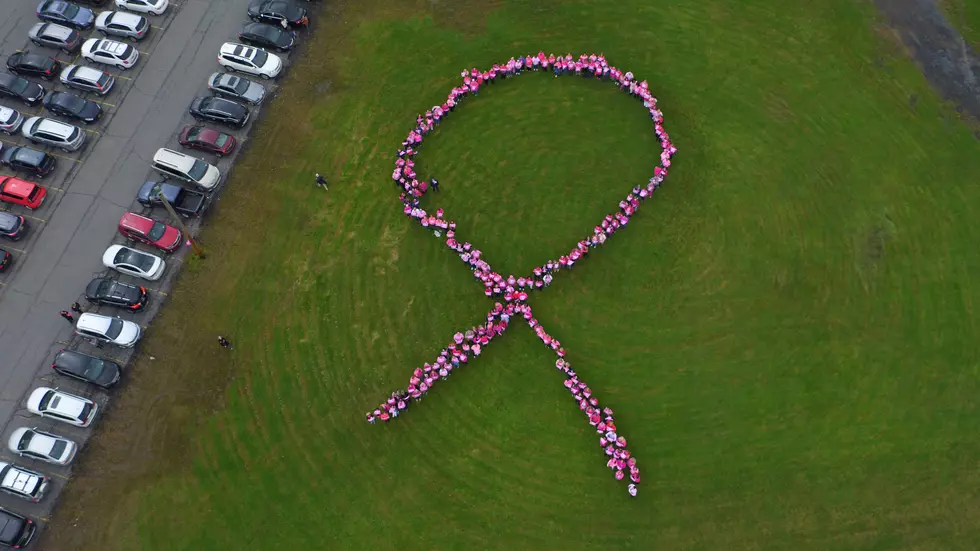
(514, 290)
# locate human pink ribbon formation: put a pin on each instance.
(468, 344)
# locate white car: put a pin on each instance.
(136, 263)
(156, 7)
(37, 444)
(61, 406)
(110, 52)
(122, 23)
(10, 120)
(254, 61)
(117, 331)
(22, 483)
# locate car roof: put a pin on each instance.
(87, 73)
(126, 18)
(6, 112)
(16, 186)
(94, 322)
(50, 125)
(28, 155)
(71, 360)
(104, 45)
(136, 221)
(237, 49)
(54, 30)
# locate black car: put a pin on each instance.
(20, 88)
(16, 531)
(278, 12)
(116, 293)
(87, 368)
(72, 107)
(25, 159)
(219, 110)
(264, 35)
(33, 65)
(12, 226)
(66, 13)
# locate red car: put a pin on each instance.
(207, 139)
(4, 259)
(149, 231)
(21, 192)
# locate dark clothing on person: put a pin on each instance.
(67, 315)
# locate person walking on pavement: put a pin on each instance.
(321, 181)
(224, 342)
(76, 307)
(67, 315)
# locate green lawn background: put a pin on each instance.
(787, 331)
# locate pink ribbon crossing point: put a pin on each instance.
(514, 291)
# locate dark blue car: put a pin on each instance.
(66, 13)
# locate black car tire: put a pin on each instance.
(229, 68)
(265, 76)
(37, 43)
(66, 150)
(218, 154)
(105, 34)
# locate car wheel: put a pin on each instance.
(218, 154)
(66, 150)
(37, 43)
(89, 59)
(104, 34)
(265, 76)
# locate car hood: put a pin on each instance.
(130, 333)
(171, 237)
(34, 91)
(110, 373)
(254, 93)
(91, 111)
(85, 17)
(170, 192)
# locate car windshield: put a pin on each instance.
(222, 140)
(74, 104)
(58, 449)
(19, 86)
(70, 10)
(94, 369)
(135, 258)
(157, 231)
(45, 400)
(260, 58)
(198, 171)
(115, 327)
(25, 440)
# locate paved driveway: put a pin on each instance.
(88, 193)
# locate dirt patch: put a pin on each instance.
(948, 62)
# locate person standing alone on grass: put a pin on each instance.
(67, 315)
(321, 181)
(224, 342)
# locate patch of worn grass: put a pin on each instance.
(965, 17)
(787, 331)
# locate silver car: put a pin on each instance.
(55, 133)
(238, 88)
(88, 79)
(122, 23)
(10, 120)
(53, 35)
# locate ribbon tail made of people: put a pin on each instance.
(470, 343)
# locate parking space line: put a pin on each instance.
(118, 76)
(158, 292)
(35, 218)
(92, 131)
(63, 343)
(61, 476)
(103, 103)
(21, 251)
(55, 189)
(3, 284)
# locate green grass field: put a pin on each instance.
(787, 331)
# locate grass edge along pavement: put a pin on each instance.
(236, 440)
(514, 289)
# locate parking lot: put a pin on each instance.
(87, 194)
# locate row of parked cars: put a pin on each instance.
(187, 183)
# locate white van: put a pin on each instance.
(184, 167)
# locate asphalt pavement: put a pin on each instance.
(87, 194)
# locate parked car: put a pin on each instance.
(219, 110)
(25, 159)
(184, 201)
(110, 52)
(10, 120)
(16, 531)
(21, 192)
(135, 263)
(87, 79)
(66, 13)
(4, 259)
(254, 61)
(207, 139)
(108, 329)
(122, 23)
(20, 88)
(54, 35)
(23, 483)
(103, 290)
(278, 12)
(12, 226)
(178, 165)
(156, 7)
(151, 232)
(92, 370)
(72, 107)
(236, 88)
(264, 35)
(54, 133)
(61, 406)
(43, 446)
